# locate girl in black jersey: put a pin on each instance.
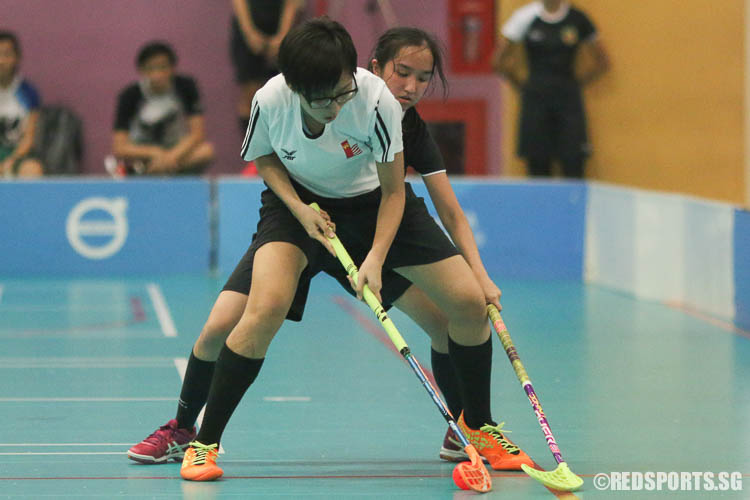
(407, 59)
(552, 123)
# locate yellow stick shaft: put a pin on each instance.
(370, 298)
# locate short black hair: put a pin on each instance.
(393, 40)
(13, 39)
(313, 56)
(155, 48)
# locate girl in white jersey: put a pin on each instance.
(419, 250)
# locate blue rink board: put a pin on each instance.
(104, 227)
(522, 229)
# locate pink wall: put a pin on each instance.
(81, 52)
(365, 25)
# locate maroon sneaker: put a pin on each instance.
(165, 443)
(452, 449)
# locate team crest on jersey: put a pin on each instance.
(289, 155)
(351, 151)
(569, 35)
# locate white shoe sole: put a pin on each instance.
(146, 459)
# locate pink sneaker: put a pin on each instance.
(165, 443)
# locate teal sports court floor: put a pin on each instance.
(89, 367)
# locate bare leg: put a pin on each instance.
(452, 287)
(225, 314)
(276, 270)
(418, 306)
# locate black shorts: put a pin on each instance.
(419, 240)
(552, 123)
(248, 66)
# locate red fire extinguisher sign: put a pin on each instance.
(472, 35)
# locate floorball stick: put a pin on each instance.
(467, 475)
(562, 478)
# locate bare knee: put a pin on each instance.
(468, 305)
(257, 327)
(225, 313)
(212, 337)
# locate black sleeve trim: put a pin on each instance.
(385, 142)
(250, 129)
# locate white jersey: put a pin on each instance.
(340, 163)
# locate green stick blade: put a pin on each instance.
(561, 479)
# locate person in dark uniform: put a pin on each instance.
(257, 28)
(553, 122)
(159, 124)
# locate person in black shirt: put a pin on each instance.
(553, 122)
(257, 28)
(159, 124)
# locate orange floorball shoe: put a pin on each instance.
(492, 444)
(199, 463)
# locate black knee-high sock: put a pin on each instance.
(473, 367)
(233, 375)
(198, 375)
(445, 376)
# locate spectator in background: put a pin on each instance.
(258, 26)
(19, 112)
(159, 124)
(552, 123)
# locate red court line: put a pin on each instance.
(518, 475)
(376, 331)
(139, 314)
(724, 325)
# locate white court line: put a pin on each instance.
(80, 400)
(181, 365)
(162, 310)
(117, 308)
(85, 363)
(284, 399)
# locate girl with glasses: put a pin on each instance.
(328, 132)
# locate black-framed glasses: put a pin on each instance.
(342, 98)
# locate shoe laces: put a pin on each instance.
(202, 452)
(496, 431)
(163, 433)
